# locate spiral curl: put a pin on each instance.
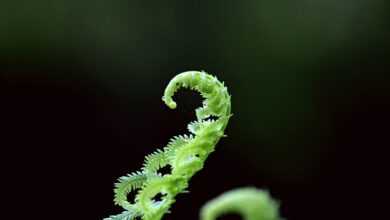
(185, 154)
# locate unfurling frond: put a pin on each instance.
(185, 154)
(249, 202)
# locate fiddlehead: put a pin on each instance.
(250, 203)
(185, 154)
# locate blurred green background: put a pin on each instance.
(308, 79)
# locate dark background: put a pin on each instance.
(81, 85)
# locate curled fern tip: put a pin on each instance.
(185, 154)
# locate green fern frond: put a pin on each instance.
(185, 154)
(249, 202)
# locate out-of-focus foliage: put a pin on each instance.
(249, 202)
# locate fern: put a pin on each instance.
(185, 154)
(249, 202)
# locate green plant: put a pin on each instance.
(249, 202)
(184, 154)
